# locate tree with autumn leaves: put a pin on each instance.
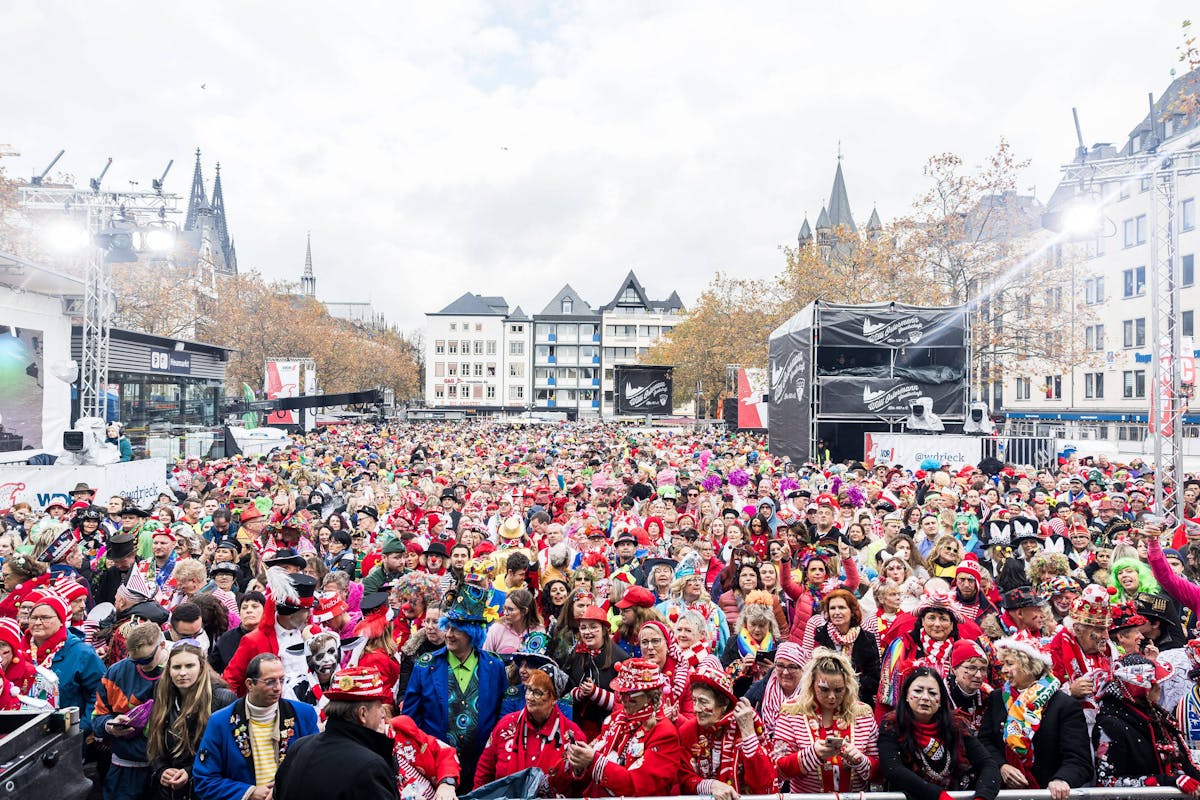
(971, 240)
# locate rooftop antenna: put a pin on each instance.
(1152, 137)
(95, 182)
(36, 180)
(158, 184)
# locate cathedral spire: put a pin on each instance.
(308, 281)
(839, 200)
(198, 201)
(218, 208)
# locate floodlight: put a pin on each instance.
(921, 418)
(978, 422)
(159, 240)
(66, 237)
(1082, 219)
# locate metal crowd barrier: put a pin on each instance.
(1093, 793)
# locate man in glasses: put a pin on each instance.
(127, 684)
(245, 742)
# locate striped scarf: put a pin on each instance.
(937, 654)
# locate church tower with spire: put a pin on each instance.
(206, 227)
(308, 281)
(836, 232)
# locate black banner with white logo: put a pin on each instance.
(892, 326)
(888, 397)
(643, 390)
(790, 399)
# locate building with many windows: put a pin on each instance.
(566, 356)
(477, 355)
(633, 324)
(560, 361)
(1106, 395)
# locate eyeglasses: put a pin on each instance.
(43, 618)
(974, 670)
(270, 683)
(536, 694)
(788, 667)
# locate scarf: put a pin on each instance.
(614, 738)
(936, 761)
(695, 654)
(937, 654)
(843, 643)
(412, 784)
(717, 752)
(1024, 718)
(746, 645)
(43, 655)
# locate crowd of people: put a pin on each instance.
(590, 610)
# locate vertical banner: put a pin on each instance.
(310, 388)
(282, 380)
(790, 357)
(752, 388)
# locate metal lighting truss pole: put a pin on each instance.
(99, 304)
(1168, 395)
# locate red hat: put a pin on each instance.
(637, 597)
(413, 546)
(328, 606)
(965, 649)
(637, 675)
(1124, 615)
(969, 566)
(56, 603)
(250, 513)
(595, 614)
(358, 683)
(69, 589)
(827, 499)
(708, 675)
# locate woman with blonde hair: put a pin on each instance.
(184, 698)
(944, 557)
(826, 741)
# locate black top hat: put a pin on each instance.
(306, 587)
(285, 557)
(1153, 605)
(130, 508)
(437, 549)
(372, 602)
(122, 544)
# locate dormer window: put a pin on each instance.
(629, 295)
(566, 305)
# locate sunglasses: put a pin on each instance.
(148, 660)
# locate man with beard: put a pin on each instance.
(966, 589)
(1080, 652)
(967, 682)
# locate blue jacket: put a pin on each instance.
(224, 767)
(427, 698)
(79, 672)
(123, 688)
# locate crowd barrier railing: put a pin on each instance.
(1090, 793)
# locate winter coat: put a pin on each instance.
(79, 671)
(222, 769)
(345, 762)
(1060, 747)
(510, 748)
(221, 697)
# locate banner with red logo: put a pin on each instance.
(282, 380)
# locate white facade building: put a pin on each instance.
(475, 354)
(1108, 398)
(566, 356)
(632, 324)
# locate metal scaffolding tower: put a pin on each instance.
(1100, 182)
(97, 211)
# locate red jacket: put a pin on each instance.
(431, 757)
(516, 743)
(255, 642)
(648, 767)
(752, 773)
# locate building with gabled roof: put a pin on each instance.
(633, 323)
(477, 357)
(566, 356)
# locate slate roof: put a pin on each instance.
(476, 305)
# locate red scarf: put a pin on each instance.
(717, 752)
(937, 654)
(622, 726)
(42, 656)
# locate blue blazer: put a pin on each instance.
(222, 770)
(427, 698)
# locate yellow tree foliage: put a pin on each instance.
(972, 239)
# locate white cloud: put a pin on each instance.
(438, 148)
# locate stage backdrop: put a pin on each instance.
(139, 480)
(643, 390)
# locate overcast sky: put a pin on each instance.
(436, 148)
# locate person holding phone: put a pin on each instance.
(827, 740)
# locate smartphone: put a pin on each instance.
(835, 742)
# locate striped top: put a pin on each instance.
(262, 746)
